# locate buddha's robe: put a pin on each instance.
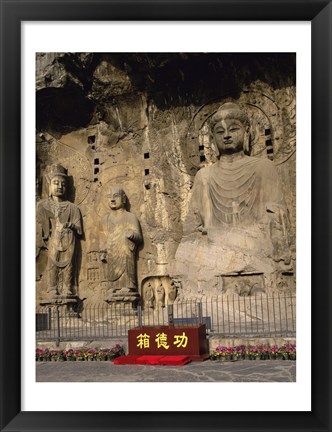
(237, 193)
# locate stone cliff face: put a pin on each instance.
(141, 121)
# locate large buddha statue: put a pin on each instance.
(237, 223)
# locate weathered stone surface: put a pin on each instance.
(141, 121)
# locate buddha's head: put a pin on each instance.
(117, 198)
(57, 178)
(230, 126)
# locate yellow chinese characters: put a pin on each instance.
(143, 340)
(180, 340)
(161, 339)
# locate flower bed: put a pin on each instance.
(91, 354)
(257, 352)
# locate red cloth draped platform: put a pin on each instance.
(153, 360)
(182, 344)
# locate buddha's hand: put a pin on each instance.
(131, 235)
(69, 225)
(202, 229)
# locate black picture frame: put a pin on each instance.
(319, 12)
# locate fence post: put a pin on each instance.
(49, 319)
(58, 326)
(139, 315)
(200, 313)
(170, 315)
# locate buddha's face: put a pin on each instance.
(229, 135)
(58, 186)
(115, 199)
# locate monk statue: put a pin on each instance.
(237, 222)
(149, 297)
(61, 227)
(120, 236)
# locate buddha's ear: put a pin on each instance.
(246, 141)
(217, 151)
(214, 146)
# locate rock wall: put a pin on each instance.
(141, 121)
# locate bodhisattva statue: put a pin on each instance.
(120, 236)
(61, 226)
(237, 222)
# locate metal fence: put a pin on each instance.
(229, 316)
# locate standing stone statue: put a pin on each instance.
(237, 222)
(120, 236)
(149, 298)
(61, 226)
(172, 293)
(160, 296)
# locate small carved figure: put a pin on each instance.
(149, 296)
(279, 227)
(120, 236)
(61, 226)
(160, 296)
(172, 293)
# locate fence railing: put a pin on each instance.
(230, 316)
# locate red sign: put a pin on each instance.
(165, 340)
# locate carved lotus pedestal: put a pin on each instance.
(69, 303)
(123, 296)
